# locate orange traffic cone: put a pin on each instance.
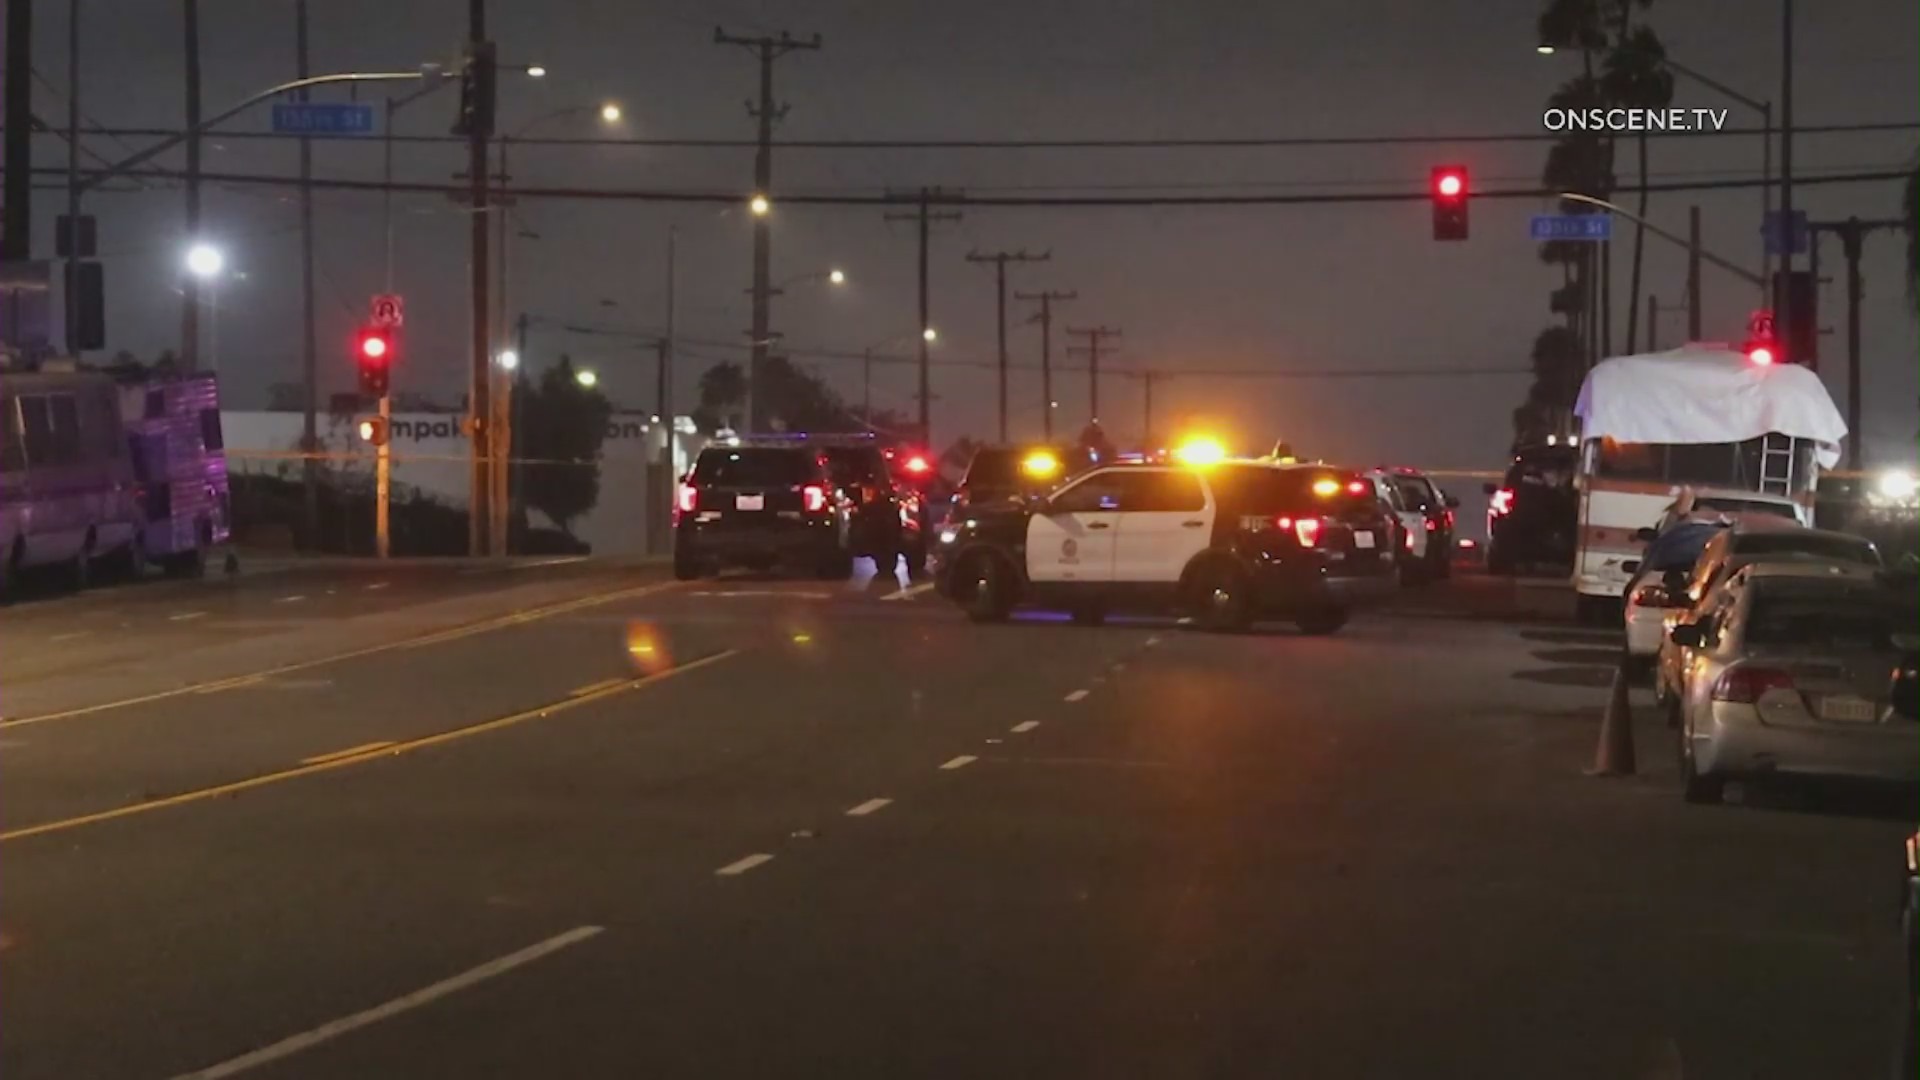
(1614, 755)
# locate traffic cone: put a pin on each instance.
(1614, 755)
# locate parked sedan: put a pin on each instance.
(1658, 588)
(1789, 674)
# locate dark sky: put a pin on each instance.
(1274, 288)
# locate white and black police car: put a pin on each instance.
(1230, 543)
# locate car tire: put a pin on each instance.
(991, 598)
(1321, 622)
(1223, 600)
(1089, 613)
(1695, 787)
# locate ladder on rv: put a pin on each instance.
(1777, 464)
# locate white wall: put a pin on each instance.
(430, 454)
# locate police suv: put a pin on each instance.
(1230, 543)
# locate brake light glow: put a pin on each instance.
(1356, 487)
(1502, 504)
(917, 464)
(1650, 596)
(1408, 537)
(1306, 529)
(813, 498)
(1745, 685)
(1432, 524)
(689, 498)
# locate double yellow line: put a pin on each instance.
(436, 637)
(369, 752)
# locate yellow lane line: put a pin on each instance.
(408, 746)
(436, 637)
(592, 687)
(351, 751)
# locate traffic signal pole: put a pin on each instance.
(479, 486)
(383, 481)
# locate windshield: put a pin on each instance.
(1798, 542)
(1726, 465)
(751, 467)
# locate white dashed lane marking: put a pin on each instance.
(1024, 726)
(741, 866)
(960, 762)
(1077, 695)
(868, 807)
(909, 592)
(296, 597)
(185, 615)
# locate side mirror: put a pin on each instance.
(1453, 502)
(1645, 535)
(1489, 488)
(1687, 634)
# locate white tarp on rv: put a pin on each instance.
(1707, 394)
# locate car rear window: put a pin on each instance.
(753, 467)
(1745, 506)
(1840, 548)
(1826, 618)
(854, 464)
(1414, 491)
(1262, 490)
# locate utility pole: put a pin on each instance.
(1000, 259)
(190, 285)
(72, 269)
(500, 411)
(768, 49)
(479, 488)
(1853, 234)
(925, 217)
(667, 346)
(1045, 318)
(310, 363)
(515, 476)
(1693, 273)
(1096, 343)
(1146, 430)
(1781, 315)
(17, 236)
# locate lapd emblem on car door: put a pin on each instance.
(1070, 550)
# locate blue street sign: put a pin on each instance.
(1571, 227)
(323, 118)
(1776, 244)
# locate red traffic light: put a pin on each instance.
(374, 352)
(373, 346)
(1760, 354)
(1449, 195)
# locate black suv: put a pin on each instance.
(883, 515)
(1001, 474)
(757, 506)
(1231, 543)
(1534, 513)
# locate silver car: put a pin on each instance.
(1790, 672)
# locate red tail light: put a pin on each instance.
(1653, 596)
(917, 465)
(813, 498)
(1745, 684)
(1306, 529)
(688, 499)
(1356, 487)
(1502, 504)
(1407, 539)
(1432, 524)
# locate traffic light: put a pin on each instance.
(373, 350)
(1794, 294)
(1449, 193)
(478, 79)
(373, 430)
(1760, 346)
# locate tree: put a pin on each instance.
(723, 396)
(790, 399)
(562, 426)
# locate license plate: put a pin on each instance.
(1363, 539)
(749, 502)
(1850, 709)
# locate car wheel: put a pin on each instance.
(1322, 621)
(1224, 600)
(1090, 613)
(991, 597)
(1694, 787)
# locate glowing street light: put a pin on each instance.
(1543, 49)
(535, 71)
(760, 206)
(586, 378)
(610, 112)
(508, 359)
(837, 277)
(930, 334)
(205, 261)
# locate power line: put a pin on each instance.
(729, 198)
(1257, 142)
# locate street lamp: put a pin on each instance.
(586, 378)
(760, 206)
(508, 360)
(610, 112)
(930, 334)
(837, 277)
(535, 71)
(205, 261)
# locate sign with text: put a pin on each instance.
(1571, 227)
(323, 118)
